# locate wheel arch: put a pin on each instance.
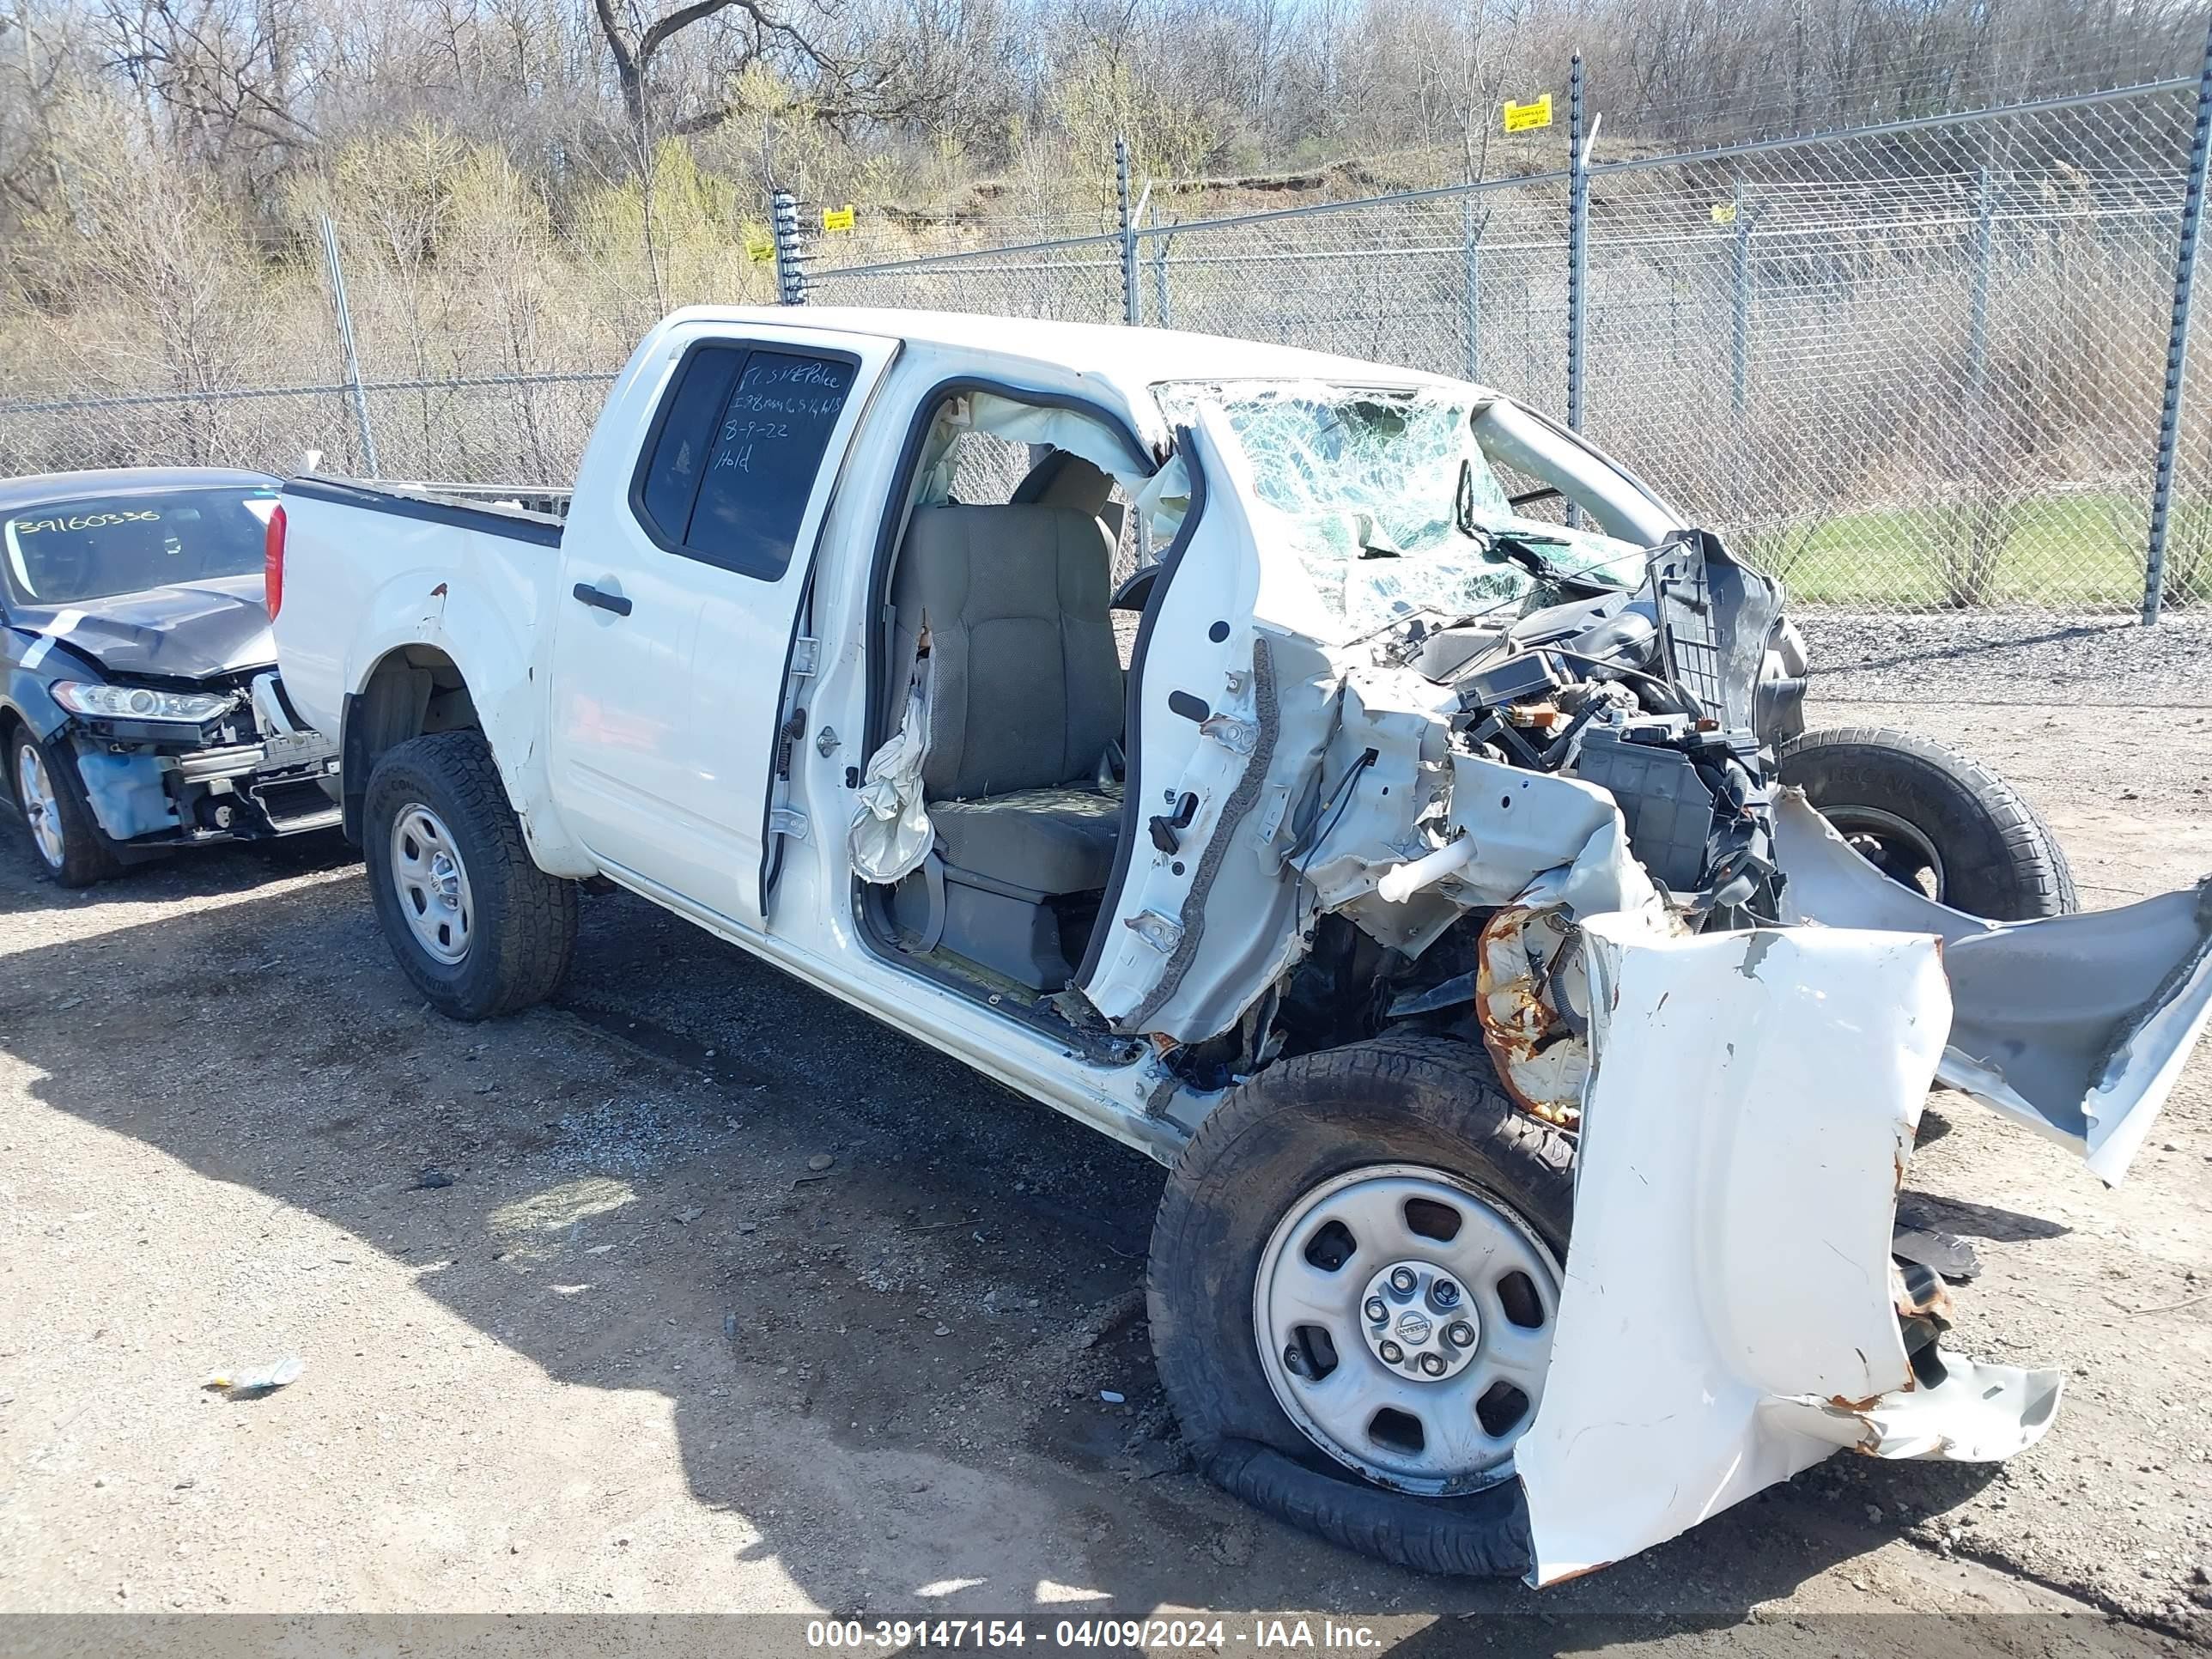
(417, 688)
(11, 722)
(26, 706)
(26, 701)
(411, 691)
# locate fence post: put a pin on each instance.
(1740, 338)
(2177, 346)
(346, 346)
(1578, 244)
(1132, 303)
(1163, 314)
(790, 264)
(1978, 330)
(1470, 292)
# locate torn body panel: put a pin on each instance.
(1746, 1084)
(2075, 1026)
(1726, 1317)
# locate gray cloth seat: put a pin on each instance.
(1027, 688)
(1058, 840)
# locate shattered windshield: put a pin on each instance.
(1389, 503)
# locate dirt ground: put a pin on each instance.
(641, 1355)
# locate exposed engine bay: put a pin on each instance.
(1668, 702)
(243, 770)
(1671, 699)
(1464, 734)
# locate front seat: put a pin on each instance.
(1028, 701)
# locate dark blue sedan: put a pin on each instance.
(139, 708)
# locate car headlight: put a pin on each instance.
(140, 702)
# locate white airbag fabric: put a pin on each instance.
(891, 833)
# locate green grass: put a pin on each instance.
(2074, 551)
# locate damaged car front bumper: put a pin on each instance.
(1736, 1301)
(249, 772)
(1733, 1307)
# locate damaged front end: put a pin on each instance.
(212, 761)
(1518, 784)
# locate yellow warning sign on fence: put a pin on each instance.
(1724, 213)
(1527, 118)
(838, 218)
(760, 250)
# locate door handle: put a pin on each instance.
(602, 599)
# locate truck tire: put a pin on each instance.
(480, 929)
(71, 848)
(1390, 1123)
(1934, 821)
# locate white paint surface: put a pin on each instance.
(1755, 1099)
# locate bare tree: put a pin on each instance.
(228, 72)
(847, 85)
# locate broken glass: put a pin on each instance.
(1388, 503)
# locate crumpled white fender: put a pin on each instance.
(1727, 1318)
(2075, 1026)
(891, 833)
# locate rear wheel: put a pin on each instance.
(473, 921)
(71, 847)
(1354, 1277)
(1934, 821)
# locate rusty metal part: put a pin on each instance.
(1536, 716)
(1920, 1294)
(1541, 1059)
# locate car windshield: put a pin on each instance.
(96, 546)
(1390, 504)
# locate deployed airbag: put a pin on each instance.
(892, 834)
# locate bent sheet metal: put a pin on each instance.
(1728, 1317)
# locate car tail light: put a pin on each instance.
(272, 562)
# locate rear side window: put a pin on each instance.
(735, 451)
(679, 453)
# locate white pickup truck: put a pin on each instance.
(1342, 784)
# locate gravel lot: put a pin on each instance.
(642, 1354)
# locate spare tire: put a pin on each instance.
(1934, 820)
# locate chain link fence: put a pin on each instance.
(1925, 365)
(519, 429)
(1913, 368)
(1930, 364)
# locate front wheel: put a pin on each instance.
(1934, 821)
(72, 849)
(1354, 1278)
(479, 927)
